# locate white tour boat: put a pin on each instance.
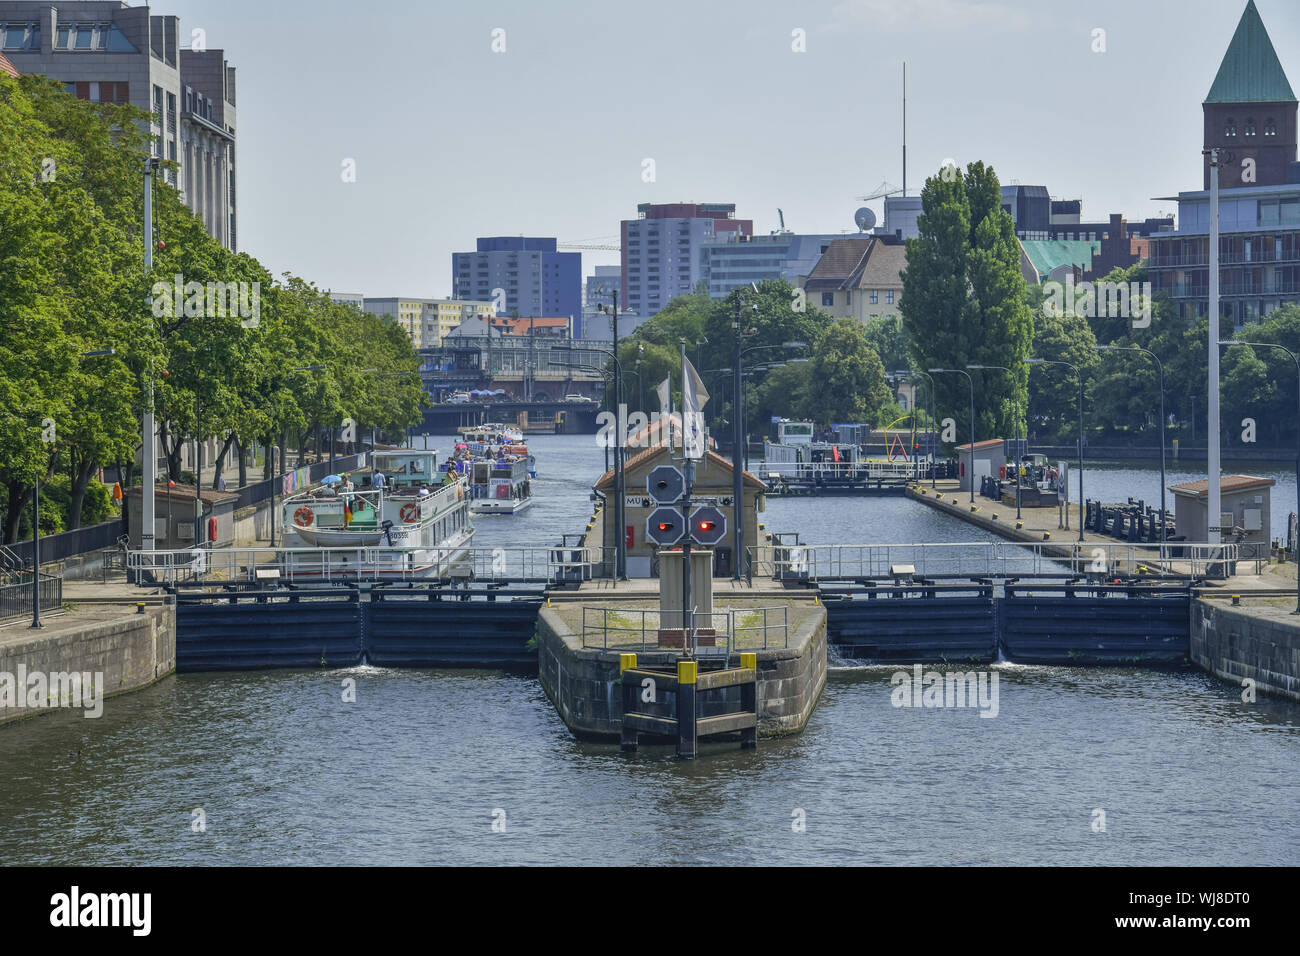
(415, 526)
(500, 486)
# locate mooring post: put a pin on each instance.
(686, 675)
(628, 741)
(749, 701)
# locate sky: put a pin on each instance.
(548, 134)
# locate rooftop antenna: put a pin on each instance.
(904, 127)
(782, 217)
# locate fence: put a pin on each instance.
(16, 598)
(295, 479)
(65, 544)
(720, 633)
(851, 562)
(343, 566)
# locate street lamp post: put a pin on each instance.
(620, 553)
(970, 470)
(738, 436)
(1079, 375)
(1003, 368)
(1163, 423)
(1295, 358)
(930, 381)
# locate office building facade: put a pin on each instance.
(110, 52)
(661, 252)
(427, 321)
(1250, 117)
(740, 259)
(535, 278)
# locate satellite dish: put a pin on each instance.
(865, 218)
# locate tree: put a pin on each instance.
(888, 339)
(846, 381)
(1054, 397)
(964, 299)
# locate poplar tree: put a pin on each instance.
(964, 301)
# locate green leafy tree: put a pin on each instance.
(964, 299)
(846, 380)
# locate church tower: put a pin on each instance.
(1250, 112)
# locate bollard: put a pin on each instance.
(139, 607)
(749, 701)
(628, 738)
(686, 675)
(1236, 600)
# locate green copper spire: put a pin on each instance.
(1250, 71)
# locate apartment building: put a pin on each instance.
(110, 52)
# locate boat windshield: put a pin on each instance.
(417, 468)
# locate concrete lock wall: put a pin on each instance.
(130, 649)
(584, 684)
(1234, 645)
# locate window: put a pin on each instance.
(828, 299)
(1270, 128)
(873, 296)
(848, 298)
(62, 38)
(1229, 128)
(84, 35)
(1250, 126)
(889, 297)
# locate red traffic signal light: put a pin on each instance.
(708, 525)
(664, 527)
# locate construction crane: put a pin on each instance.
(884, 189)
(598, 244)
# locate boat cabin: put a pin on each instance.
(408, 469)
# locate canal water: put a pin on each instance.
(423, 764)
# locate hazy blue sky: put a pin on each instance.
(453, 141)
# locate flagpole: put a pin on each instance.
(688, 471)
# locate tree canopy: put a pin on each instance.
(72, 280)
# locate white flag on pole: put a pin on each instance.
(664, 391)
(694, 397)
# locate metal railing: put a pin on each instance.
(67, 544)
(716, 634)
(16, 598)
(851, 562)
(342, 566)
(840, 470)
(258, 491)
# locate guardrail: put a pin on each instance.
(851, 562)
(343, 566)
(16, 598)
(716, 634)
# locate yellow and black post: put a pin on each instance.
(686, 677)
(628, 740)
(749, 701)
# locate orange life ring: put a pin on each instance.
(303, 517)
(410, 513)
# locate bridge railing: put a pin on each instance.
(556, 565)
(848, 562)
